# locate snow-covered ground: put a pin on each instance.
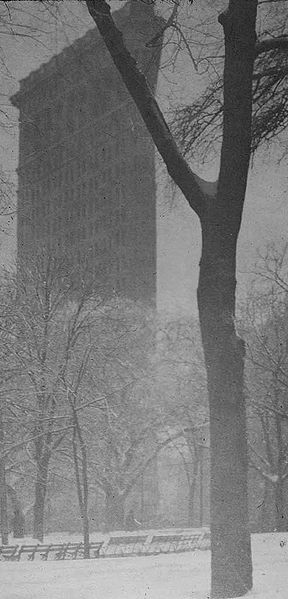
(173, 576)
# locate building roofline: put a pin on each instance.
(80, 45)
(50, 68)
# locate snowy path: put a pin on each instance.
(174, 576)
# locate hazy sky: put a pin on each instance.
(266, 212)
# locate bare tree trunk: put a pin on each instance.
(191, 497)
(265, 507)
(201, 484)
(82, 488)
(281, 520)
(281, 523)
(86, 537)
(18, 524)
(3, 504)
(192, 487)
(3, 487)
(142, 510)
(224, 357)
(115, 510)
(40, 495)
(220, 220)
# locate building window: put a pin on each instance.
(82, 210)
(70, 118)
(46, 122)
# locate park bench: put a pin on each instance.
(166, 543)
(56, 551)
(116, 546)
(76, 550)
(28, 552)
(8, 552)
(95, 549)
(125, 545)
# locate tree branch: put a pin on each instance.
(238, 23)
(153, 118)
(277, 43)
(170, 22)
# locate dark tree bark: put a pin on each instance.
(224, 356)
(265, 519)
(273, 513)
(18, 522)
(40, 495)
(115, 510)
(281, 520)
(281, 523)
(191, 501)
(82, 487)
(220, 218)
(86, 532)
(201, 489)
(192, 474)
(3, 487)
(3, 505)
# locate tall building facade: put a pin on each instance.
(86, 175)
(87, 195)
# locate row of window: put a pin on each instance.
(76, 180)
(88, 198)
(107, 233)
(75, 112)
(105, 238)
(92, 259)
(78, 161)
(120, 127)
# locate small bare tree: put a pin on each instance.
(267, 334)
(45, 327)
(182, 395)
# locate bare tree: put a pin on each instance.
(3, 487)
(122, 425)
(125, 436)
(220, 214)
(45, 327)
(182, 393)
(72, 386)
(198, 125)
(9, 433)
(82, 485)
(266, 317)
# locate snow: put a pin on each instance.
(172, 576)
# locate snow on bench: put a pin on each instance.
(125, 545)
(56, 551)
(118, 545)
(8, 552)
(166, 543)
(156, 542)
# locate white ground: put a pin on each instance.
(173, 576)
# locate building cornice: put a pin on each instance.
(79, 47)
